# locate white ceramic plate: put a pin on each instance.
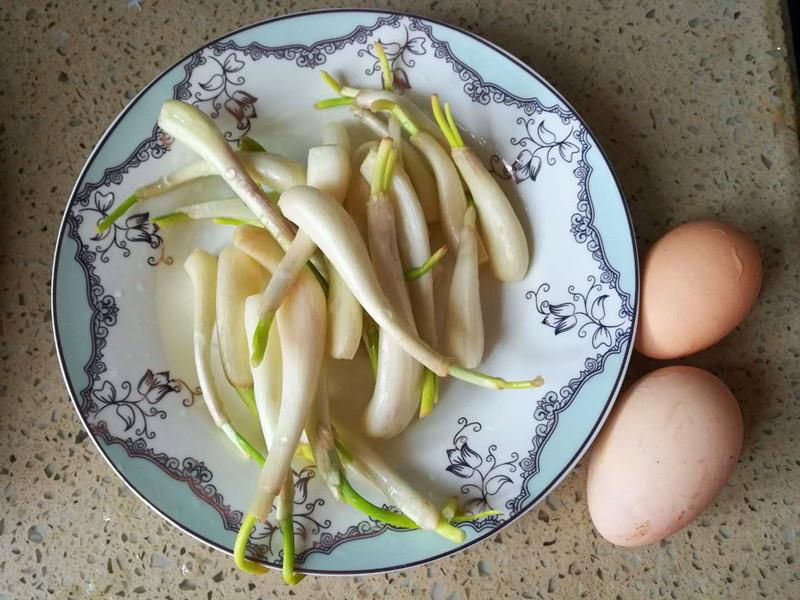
(123, 337)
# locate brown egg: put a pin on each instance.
(664, 455)
(698, 283)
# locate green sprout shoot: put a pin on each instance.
(391, 160)
(331, 102)
(290, 576)
(445, 529)
(248, 144)
(361, 504)
(284, 513)
(357, 501)
(341, 90)
(253, 568)
(371, 337)
(260, 336)
(495, 383)
(378, 513)
(386, 70)
(398, 112)
(286, 525)
(450, 532)
(115, 214)
(449, 509)
(430, 392)
(234, 222)
(240, 546)
(229, 211)
(475, 516)
(417, 272)
(248, 398)
(349, 495)
(245, 446)
(169, 219)
(304, 450)
(332, 83)
(384, 167)
(446, 122)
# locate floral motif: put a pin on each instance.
(217, 92)
(587, 309)
(540, 145)
(399, 55)
(487, 475)
(134, 409)
(136, 228)
(139, 229)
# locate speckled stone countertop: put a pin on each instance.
(693, 103)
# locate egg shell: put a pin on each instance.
(698, 283)
(664, 455)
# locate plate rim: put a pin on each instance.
(634, 293)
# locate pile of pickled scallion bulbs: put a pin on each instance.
(336, 256)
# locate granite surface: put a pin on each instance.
(693, 103)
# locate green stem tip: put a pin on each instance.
(260, 337)
(429, 392)
(475, 516)
(115, 214)
(248, 144)
(242, 443)
(371, 343)
(350, 496)
(236, 222)
(361, 504)
(250, 449)
(495, 383)
(388, 170)
(332, 102)
(383, 162)
(386, 71)
(417, 272)
(452, 124)
(449, 509)
(331, 81)
(398, 112)
(346, 457)
(248, 398)
(169, 219)
(450, 532)
(287, 533)
(446, 122)
(240, 546)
